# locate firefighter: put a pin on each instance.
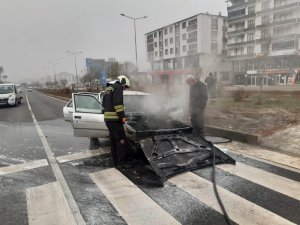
(197, 104)
(114, 117)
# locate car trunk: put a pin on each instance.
(170, 146)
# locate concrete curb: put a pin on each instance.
(233, 135)
(55, 96)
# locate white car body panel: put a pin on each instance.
(88, 121)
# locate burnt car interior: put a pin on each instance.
(169, 146)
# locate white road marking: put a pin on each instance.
(82, 155)
(240, 210)
(47, 205)
(23, 166)
(134, 205)
(286, 161)
(57, 172)
(270, 180)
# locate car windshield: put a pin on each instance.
(6, 89)
(141, 103)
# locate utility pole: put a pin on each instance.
(74, 54)
(54, 70)
(134, 19)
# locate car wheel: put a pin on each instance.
(16, 102)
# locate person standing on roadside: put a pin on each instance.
(212, 88)
(114, 117)
(197, 104)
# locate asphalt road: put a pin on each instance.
(20, 143)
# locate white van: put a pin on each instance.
(10, 95)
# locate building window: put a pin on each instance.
(155, 35)
(171, 51)
(155, 44)
(166, 52)
(214, 35)
(278, 3)
(171, 29)
(214, 22)
(250, 37)
(184, 48)
(160, 33)
(184, 37)
(171, 40)
(264, 34)
(265, 19)
(237, 13)
(166, 42)
(183, 25)
(266, 5)
(251, 10)
(193, 22)
(250, 49)
(161, 54)
(284, 45)
(177, 50)
(166, 31)
(155, 54)
(251, 23)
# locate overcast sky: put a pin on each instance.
(34, 33)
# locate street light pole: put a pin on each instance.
(74, 54)
(134, 23)
(54, 64)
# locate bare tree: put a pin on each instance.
(4, 78)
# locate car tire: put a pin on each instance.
(16, 103)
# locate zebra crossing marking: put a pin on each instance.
(82, 155)
(47, 205)
(240, 210)
(270, 180)
(24, 166)
(283, 159)
(132, 203)
(260, 159)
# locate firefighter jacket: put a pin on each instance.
(113, 103)
(198, 97)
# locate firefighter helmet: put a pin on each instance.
(124, 81)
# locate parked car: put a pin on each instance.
(10, 95)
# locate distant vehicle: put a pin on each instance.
(10, 95)
(29, 89)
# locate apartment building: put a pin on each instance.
(263, 41)
(197, 43)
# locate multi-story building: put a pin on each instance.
(263, 41)
(197, 43)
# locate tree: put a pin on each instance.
(114, 70)
(63, 82)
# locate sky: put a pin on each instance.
(37, 33)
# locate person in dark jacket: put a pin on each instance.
(212, 88)
(114, 117)
(197, 104)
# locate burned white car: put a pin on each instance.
(169, 146)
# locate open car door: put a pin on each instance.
(88, 117)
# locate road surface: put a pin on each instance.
(47, 176)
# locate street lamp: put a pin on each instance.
(134, 19)
(74, 54)
(54, 64)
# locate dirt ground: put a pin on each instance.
(278, 111)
